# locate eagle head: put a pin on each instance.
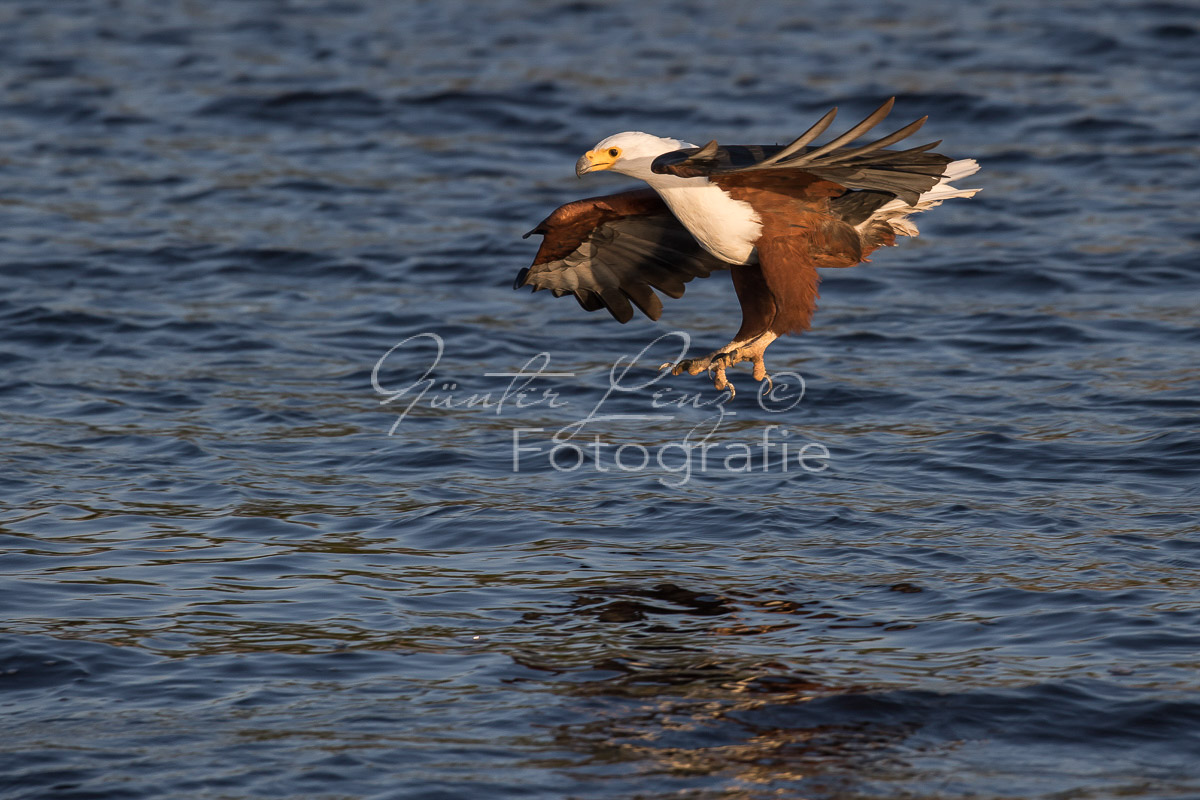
(630, 153)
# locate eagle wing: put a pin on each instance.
(870, 167)
(608, 251)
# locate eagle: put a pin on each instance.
(771, 215)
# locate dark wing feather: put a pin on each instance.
(905, 173)
(611, 251)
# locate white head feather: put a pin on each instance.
(638, 151)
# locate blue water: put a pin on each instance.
(246, 554)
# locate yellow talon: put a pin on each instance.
(716, 364)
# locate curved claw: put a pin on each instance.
(722, 362)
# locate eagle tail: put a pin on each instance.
(894, 214)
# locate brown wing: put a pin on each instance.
(900, 173)
(608, 251)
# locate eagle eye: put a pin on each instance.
(614, 151)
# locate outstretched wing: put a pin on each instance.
(901, 173)
(611, 250)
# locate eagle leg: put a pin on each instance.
(766, 313)
(751, 349)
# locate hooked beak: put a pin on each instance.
(593, 161)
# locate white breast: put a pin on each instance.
(725, 227)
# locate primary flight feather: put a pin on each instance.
(771, 215)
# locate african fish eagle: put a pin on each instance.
(771, 215)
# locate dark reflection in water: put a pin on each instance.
(222, 577)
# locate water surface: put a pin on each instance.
(232, 570)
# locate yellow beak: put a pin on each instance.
(593, 161)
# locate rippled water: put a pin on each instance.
(245, 556)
